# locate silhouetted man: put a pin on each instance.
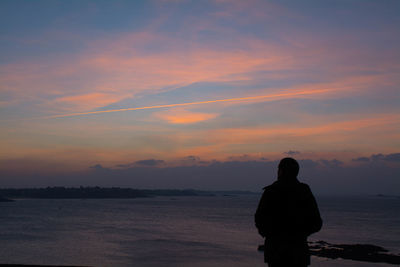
(286, 215)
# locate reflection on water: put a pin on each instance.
(180, 231)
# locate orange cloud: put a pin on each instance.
(354, 132)
(179, 116)
(85, 142)
(89, 101)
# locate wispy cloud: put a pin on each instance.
(111, 70)
(269, 97)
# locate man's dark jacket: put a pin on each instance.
(286, 215)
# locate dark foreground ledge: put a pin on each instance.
(24, 265)
(356, 252)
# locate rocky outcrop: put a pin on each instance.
(356, 252)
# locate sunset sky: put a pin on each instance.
(200, 94)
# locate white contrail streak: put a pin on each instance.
(266, 97)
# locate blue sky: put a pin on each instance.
(323, 77)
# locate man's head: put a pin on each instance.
(288, 168)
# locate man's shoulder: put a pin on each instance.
(271, 186)
(304, 186)
(276, 186)
(272, 189)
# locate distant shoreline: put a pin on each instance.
(3, 199)
(104, 193)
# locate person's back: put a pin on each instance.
(286, 215)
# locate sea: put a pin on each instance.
(177, 231)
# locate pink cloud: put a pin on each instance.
(123, 67)
(112, 69)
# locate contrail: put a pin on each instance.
(282, 95)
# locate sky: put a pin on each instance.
(200, 94)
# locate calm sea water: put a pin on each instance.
(180, 231)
